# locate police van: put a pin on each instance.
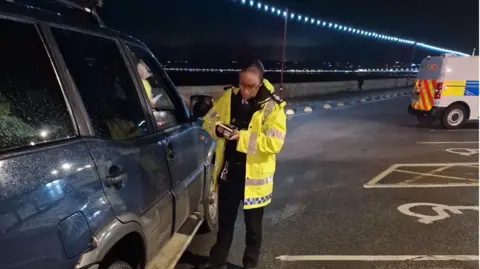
(446, 88)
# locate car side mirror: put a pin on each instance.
(200, 105)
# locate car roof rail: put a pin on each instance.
(88, 6)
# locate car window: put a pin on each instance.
(32, 107)
(156, 88)
(105, 84)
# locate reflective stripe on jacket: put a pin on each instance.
(261, 142)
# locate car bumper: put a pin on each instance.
(435, 112)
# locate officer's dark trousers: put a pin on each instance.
(231, 194)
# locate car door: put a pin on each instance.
(184, 141)
(129, 156)
(47, 176)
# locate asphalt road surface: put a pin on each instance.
(364, 186)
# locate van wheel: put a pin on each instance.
(119, 265)
(454, 116)
(425, 119)
(210, 209)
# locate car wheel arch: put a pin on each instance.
(465, 105)
(107, 238)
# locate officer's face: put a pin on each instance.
(249, 84)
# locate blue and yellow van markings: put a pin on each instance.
(471, 88)
(460, 88)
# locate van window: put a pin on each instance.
(104, 83)
(32, 106)
(430, 68)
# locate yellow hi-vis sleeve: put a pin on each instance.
(271, 141)
(148, 88)
(212, 118)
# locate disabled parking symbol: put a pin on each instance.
(442, 211)
(462, 151)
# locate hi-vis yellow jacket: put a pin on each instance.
(261, 142)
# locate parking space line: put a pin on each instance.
(448, 142)
(376, 179)
(375, 182)
(378, 258)
(435, 164)
(434, 175)
(459, 130)
(402, 185)
(430, 172)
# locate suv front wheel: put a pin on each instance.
(210, 209)
(119, 265)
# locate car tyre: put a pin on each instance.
(210, 209)
(119, 265)
(210, 204)
(454, 116)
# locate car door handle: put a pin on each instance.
(169, 152)
(116, 177)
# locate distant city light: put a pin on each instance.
(360, 70)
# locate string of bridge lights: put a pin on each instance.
(302, 71)
(338, 27)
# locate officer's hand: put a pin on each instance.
(220, 129)
(235, 135)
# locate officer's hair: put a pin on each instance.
(253, 66)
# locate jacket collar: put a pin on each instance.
(264, 93)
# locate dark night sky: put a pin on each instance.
(221, 29)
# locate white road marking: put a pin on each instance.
(378, 258)
(385, 173)
(462, 151)
(435, 175)
(298, 114)
(430, 172)
(441, 210)
(435, 164)
(449, 142)
(400, 185)
(458, 130)
(440, 166)
(337, 107)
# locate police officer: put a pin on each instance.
(245, 159)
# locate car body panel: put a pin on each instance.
(39, 190)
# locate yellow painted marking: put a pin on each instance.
(373, 183)
(382, 175)
(435, 164)
(434, 175)
(421, 176)
(396, 185)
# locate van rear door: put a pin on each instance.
(429, 75)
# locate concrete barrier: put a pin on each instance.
(310, 89)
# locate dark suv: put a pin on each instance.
(101, 164)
